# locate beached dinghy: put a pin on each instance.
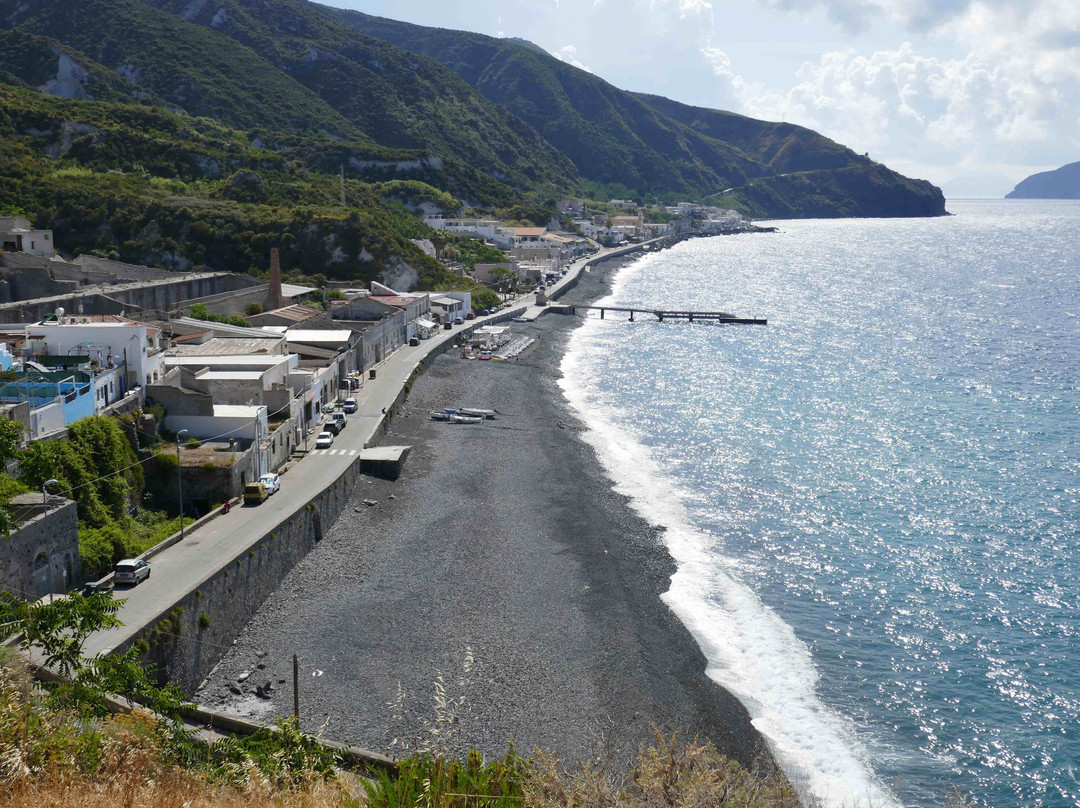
(473, 411)
(465, 419)
(440, 416)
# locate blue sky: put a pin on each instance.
(973, 95)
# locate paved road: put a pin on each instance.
(182, 567)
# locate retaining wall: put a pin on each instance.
(188, 639)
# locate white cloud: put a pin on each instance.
(568, 54)
(1014, 99)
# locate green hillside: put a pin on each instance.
(193, 68)
(780, 147)
(400, 100)
(148, 186)
(651, 145)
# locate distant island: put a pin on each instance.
(1061, 183)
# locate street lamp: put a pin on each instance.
(44, 493)
(180, 482)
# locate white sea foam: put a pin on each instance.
(751, 651)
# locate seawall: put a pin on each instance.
(188, 637)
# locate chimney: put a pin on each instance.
(276, 301)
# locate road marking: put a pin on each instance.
(352, 453)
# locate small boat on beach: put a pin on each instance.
(465, 419)
(476, 412)
(440, 416)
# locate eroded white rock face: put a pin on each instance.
(400, 275)
(70, 78)
(220, 18)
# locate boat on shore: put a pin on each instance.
(465, 419)
(440, 416)
(476, 412)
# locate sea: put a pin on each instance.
(874, 500)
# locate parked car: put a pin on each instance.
(255, 494)
(350, 405)
(332, 426)
(340, 418)
(329, 408)
(324, 441)
(458, 321)
(471, 315)
(447, 326)
(272, 483)
(414, 341)
(131, 571)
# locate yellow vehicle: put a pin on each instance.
(255, 493)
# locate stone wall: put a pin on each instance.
(143, 299)
(187, 638)
(42, 553)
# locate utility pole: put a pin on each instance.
(296, 689)
(180, 482)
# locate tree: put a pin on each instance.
(58, 630)
(11, 438)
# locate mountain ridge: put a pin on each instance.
(650, 144)
(1061, 183)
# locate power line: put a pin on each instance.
(215, 437)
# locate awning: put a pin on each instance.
(420, 321)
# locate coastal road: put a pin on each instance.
(178, 569)
(181, 568)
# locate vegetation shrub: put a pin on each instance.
(193, 443)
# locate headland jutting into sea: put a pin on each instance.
(501, 564)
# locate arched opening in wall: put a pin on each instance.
(40, 578)
(316, 524)
(69, 571)
(148, 378)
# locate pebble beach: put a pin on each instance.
(499, 591)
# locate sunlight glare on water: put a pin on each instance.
(875, 499)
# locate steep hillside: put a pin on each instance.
(400, 100)
(190, 67)
(781, 147)
(1061, 183)
(283, 67)
(148, 186)
(857, 191)
(653, 145)
(41, 63)
(610, 135)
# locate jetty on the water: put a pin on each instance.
(669, 314)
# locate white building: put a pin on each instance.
(228, 421)
(104, 339)
(16, 235)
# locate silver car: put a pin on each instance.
(131, 571)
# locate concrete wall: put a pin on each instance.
(180, 400)
(42, 554)
(231, 595)
(144, 299)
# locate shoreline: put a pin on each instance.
(503, 561)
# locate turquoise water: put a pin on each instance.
(873, 501)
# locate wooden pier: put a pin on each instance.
(667, 314)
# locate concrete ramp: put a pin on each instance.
(384, 461)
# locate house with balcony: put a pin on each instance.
(118, 354)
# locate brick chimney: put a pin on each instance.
(276, 300)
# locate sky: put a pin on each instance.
(973, 95)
